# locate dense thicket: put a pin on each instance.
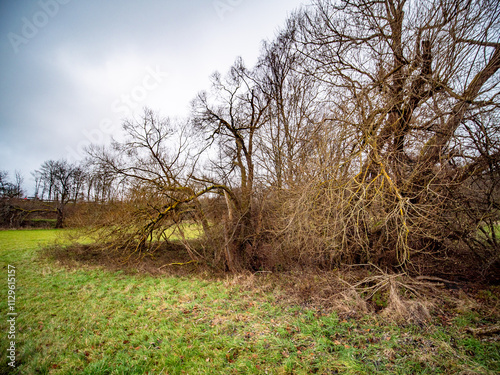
(368, 132)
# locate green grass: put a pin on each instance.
(93, 321)
(496, 230)
(191, 231)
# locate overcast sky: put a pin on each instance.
(72, 70)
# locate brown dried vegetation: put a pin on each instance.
(367, 133)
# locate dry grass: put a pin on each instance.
(352, 292)
(357, 292)
(402, 310)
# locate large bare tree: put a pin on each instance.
(411, 82)
(232, 116)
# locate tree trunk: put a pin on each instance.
(60, 217)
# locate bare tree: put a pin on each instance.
(101, 183)
(38, 182)
(232, 115)
(11, 189)
(367, 132)
(64, 182)
(405, 80)
(154, 166)
(291, 127)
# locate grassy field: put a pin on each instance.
(88, 320)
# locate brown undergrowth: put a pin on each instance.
(356, 293)
(351, 292)
(171, 259)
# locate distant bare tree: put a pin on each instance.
(63, 181)
(38, 182)
(101, 183)
(11, 189)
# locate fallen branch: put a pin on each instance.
(437, 279)
(178, 264)
(484, 331)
